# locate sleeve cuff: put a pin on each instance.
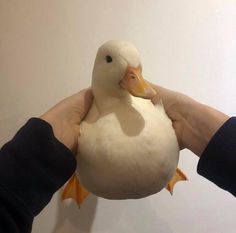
(218, 160)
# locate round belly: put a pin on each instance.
(127, 158)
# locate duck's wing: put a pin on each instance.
(179, 176)
(75, 191)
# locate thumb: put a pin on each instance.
(84, 100)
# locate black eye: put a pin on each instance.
(108, 59)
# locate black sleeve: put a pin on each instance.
(33, 166)
(218, 161)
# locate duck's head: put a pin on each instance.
(118, 71)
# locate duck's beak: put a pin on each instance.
(135, 84)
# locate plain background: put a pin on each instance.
(47, 50)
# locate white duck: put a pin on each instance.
(127, 146)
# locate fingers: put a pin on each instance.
(156, 99)
(160, 94)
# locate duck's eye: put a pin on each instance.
(108, 59)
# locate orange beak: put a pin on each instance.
(135, 84)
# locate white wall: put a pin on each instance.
(47, 50)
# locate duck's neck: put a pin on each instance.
(107, 98)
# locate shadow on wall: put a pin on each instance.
(142, 218)
(127, 216)
(72, 219)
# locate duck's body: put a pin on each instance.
(127, 146)
(127, 150)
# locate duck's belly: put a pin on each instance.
(129, 153)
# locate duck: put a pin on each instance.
(128, 148)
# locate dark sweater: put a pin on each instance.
(34, 165)
(218, 161)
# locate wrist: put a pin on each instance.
(201, 123)
(59, 129)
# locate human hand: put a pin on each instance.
(66, 116)
(194, 123)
